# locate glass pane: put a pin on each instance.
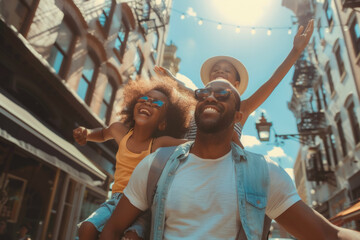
(104, 16)
(118, 43)
(64, 38)
(137, 61)
(155, 41)
(103, 110)
(357, 30)
(82, 89)
(56, 58)
(108, 93)
(88, 69)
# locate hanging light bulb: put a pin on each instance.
(182, 17)
(200, 22)
(346, 28)
(253, 31)
(269, 32)
(219, 26)
(289, 31)
(237, 30)
(327, 30)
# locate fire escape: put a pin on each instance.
(150, 14)
(311, 123)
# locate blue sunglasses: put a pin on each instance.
(154, 102)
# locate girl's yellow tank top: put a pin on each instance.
(126, 161)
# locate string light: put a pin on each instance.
(253, 29)
(269, 32)
(289, 31)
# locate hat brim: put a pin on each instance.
(240, 68)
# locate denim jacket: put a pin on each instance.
(252, 178)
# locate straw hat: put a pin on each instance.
(240, 68)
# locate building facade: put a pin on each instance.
(326, 104)
(63, 64)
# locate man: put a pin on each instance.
(213, 189)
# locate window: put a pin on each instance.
(155, 43)
(341, 134)
(323, 94)
(355, 34)
(339, 60)
(328, 12)
(86, 79)
(320, 30)
(121, 38)
(138, 60)
(333, 148)
(105, 108)
(60, 51)
(22, 10)
(354, 122)
(106, 15)
(330, 80)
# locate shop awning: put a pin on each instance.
(347, 215)
(31, 124)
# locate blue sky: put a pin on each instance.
(259, 52)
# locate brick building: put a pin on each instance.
(63, 64)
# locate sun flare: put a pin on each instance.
(241, 12)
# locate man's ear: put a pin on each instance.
(237, 84)
(162, 126)
(238, 116)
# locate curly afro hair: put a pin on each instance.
(181, 103)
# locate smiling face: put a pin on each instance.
(148, 112)
(212, 115)
(224, 69)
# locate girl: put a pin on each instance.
(155, 115)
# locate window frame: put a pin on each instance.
(91, 84)
(341, 133)
(106, 27)
(109, 106)
(339, 59)
(120, 52)
(330, 79)
(67, 56)
(354, 39)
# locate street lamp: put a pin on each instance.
(263, 128)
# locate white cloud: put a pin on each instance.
(187, 81)
(190, 11)
(290, 171)
(249, 141)
(253, 114)
(276, 152)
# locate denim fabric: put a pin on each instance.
(252, 178)
(103, 213)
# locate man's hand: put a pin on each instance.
(131, 235)
(80, 135)
(302, 37)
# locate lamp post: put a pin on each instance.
(263, 128)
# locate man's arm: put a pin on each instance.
(301, 39)
(304, 223)
(124, 214)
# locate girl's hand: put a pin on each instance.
(301, 38)
(80, 135)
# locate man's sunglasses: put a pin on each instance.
(154, 102)
(220, 94)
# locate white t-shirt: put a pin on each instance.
(202, 200)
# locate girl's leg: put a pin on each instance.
(87, 231)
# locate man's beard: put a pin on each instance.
(223, 122)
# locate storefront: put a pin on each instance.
(44, 180)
